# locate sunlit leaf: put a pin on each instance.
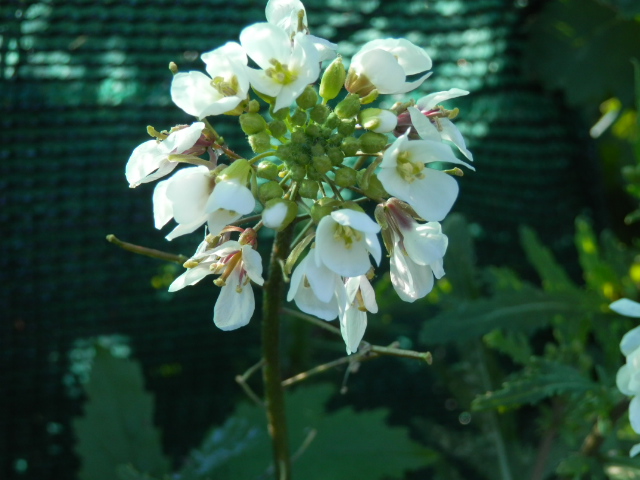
(117, 426)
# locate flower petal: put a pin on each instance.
(451, 133)
(630, 341)
(354, 219)
(423, 125)
(410, 281)
(264, 42)
(429, 102)
(162, 206)
(190, 277)
(626, 307)
(353, 324)
(234, 309)
(252, 264)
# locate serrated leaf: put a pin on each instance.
(514, 344)
(352, 445)
(574, 40)
(540, 380)
(117, 427)
(523, 311)
(553, 276)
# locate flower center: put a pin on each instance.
(227, 88)
(408, 169)
(280, 73)
(347, 234)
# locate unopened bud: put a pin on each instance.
(319, 113)
(260, 142)
(371, 142)
(308, 189)
(349, 107)
(335, 155)
(322, 164)
(350, 146)
(173, 68)
(332, 80)
(252, 123)
(277, 128)
(369, 97)
(346, 177)
(279, 213)
(323, 207)
(268, 170)
(332, 121)
(378, 120)
(299, 117)
(253, 106)
(269, 190)
(308, 98)
(371, 185)
(347, 127)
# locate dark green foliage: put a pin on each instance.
(583, 48)
(540, 380)
(347, 444)
(117, 426)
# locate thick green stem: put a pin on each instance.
(273, 390)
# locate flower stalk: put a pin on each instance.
(273, 391)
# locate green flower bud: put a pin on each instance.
(277, 128)
(372, 186)
(346, 177)
(299, 117)
(350, 146)
(298, 172)
(278, 213)
(308, 189)
(280, 114)
(319, 113)
(260, 142)
(317, 150)
(252, 123)
(253, 106)
(308, 98)
(371, 142)
(322, 164)
(335, 139)
(333, 79)
(268, 170)
(325, 132)
(269, 190)
(332, 121)
(312, 173)
(378, 120)
(323, 207)
(238, 170)
(298, 137)
(349, 107)
(313, 131)
(347, 127)
(335, 155)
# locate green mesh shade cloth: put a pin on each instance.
(80, 81)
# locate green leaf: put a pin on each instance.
(584, 48)
(117, 427)
(345, 443)
(524, 311)
(514, 344)
(553, 276)
(542, 379)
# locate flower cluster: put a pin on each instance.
(628, 378)
(318, 156)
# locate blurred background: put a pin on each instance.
(81, 79)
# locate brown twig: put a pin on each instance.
(148, 252)
(242, 381)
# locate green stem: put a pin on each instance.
(273, 390)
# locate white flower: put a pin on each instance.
(431, 124)
(344, 240)
(628, 378)
(287, 66)
(360, 298)
(228, 84)
(183, 197)
(150, 160)
(403, 174)
(237, 263)
(416, 250)
(231, 199)
(384, 65)
(315, 289)
(285, 14)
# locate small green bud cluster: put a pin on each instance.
(310, 145)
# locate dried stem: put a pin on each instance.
(242, 381)
(273, 390)
(149, 252)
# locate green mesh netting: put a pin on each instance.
(81, 79)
